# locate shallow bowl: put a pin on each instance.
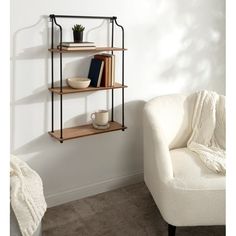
(78, 82)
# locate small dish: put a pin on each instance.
(78, 82)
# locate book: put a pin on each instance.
(72, 44)
(76, 48)
(112, 70)
(105, 74)
(110, 74)
(95, 72)
(111, 80)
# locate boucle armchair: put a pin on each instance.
(186, 192)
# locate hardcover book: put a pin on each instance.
(111, 80)
(105, 73)
(66, 48)
(72, 44)
(113, 70)
(95, 72)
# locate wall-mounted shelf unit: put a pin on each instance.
(63, 134)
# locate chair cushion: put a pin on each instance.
(191, 173)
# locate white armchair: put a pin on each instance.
(186, 192)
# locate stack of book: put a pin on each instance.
(102, 70)
(70, 46)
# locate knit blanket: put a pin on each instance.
(208, 135)
(27, 198)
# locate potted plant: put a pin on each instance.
(78, 33)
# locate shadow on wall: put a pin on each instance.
(202, 40)
(189, 44)
(29, 53)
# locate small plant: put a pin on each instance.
(78, 28)
(78, 33)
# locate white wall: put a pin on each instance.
(173, 46)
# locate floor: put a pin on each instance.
(129, 211)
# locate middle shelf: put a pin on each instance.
(67, 90)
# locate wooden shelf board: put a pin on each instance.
(97, 49)
(67, 90)
(84, 130)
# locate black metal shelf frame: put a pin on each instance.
(112, 19)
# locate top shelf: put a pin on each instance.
(97, 49)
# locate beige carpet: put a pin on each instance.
(129, 211)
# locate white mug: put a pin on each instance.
(100, 117)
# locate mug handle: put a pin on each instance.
(92, 116)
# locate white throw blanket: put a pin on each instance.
(27, 199)
(208, 136)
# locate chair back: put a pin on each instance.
(173, 115)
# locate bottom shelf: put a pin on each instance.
(84, 130)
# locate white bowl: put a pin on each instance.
(78, 82)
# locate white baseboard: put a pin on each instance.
(89, 190)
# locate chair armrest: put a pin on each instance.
(157, 160)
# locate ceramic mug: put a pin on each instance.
(100, 117)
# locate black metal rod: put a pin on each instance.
(52, 75)
(123, 74)
(112, 91)
(61, 121)
(61, 105)
(85, 17)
